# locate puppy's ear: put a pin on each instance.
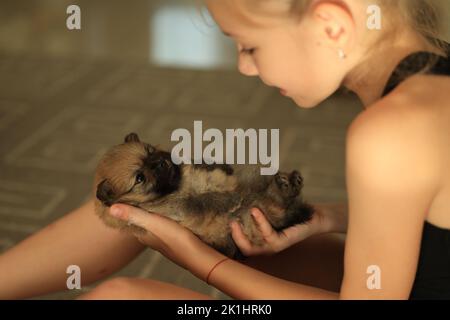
(105, 193)
(132, 137)
(149, 148)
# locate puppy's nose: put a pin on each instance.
(105, 193)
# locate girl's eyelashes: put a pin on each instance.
(243, 50)
(248, 51)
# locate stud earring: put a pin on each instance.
(342, 54)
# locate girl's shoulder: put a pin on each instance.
(419, 108)
(402, 134)
(400, 146)
(426, 91)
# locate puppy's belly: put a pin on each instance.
(214, 228)
(211, 228)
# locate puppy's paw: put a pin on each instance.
(282, 181)
(235, 202)
(296, 181)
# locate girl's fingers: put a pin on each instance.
(131, 214)
(240, 238)
(139, 217)
(264, 226)
(148, 238)
(296, 233)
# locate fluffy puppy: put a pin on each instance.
(203, 198)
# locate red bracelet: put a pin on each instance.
(207, 278)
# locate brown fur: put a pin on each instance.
(203, 198)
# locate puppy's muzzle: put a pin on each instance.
(105, 194)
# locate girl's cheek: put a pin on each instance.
(268, 69)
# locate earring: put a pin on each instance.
(342, 54)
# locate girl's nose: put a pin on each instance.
(247, 66)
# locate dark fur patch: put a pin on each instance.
(210, 167)
(105, 193)
(167, 174)
(131, 137)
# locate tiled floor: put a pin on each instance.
(65, 97)
(163, 32)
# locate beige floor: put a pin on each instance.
(66, 96)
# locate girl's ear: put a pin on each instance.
(132, 137)
(335, 23)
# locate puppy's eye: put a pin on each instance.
(140, 178)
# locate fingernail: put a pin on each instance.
(116, 212)
(253, 212)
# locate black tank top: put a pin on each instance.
(433, 273)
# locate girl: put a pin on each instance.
(398, 150)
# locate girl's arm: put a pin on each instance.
(336, 216)
(38, 264)
(394, 171)
(392, 177)
(242, 282)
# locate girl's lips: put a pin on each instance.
(283, 92)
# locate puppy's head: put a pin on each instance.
(135, 172)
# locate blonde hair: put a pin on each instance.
(423, 16)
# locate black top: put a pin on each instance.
(433, 273)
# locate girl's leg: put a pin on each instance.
(38, 264)
(140, 289)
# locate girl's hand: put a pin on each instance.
(171, 239)
(277, 241)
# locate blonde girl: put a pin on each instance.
(397, 153)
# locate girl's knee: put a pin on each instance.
(119, 288)
(123, 288)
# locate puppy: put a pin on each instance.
(203, 198)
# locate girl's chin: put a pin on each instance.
(304, 103)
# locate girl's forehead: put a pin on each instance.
(236, 19)
(229, 19)
(226, 12)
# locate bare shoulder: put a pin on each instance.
(421, 97)
(427, 90)
(402, 133)
(418, 109)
